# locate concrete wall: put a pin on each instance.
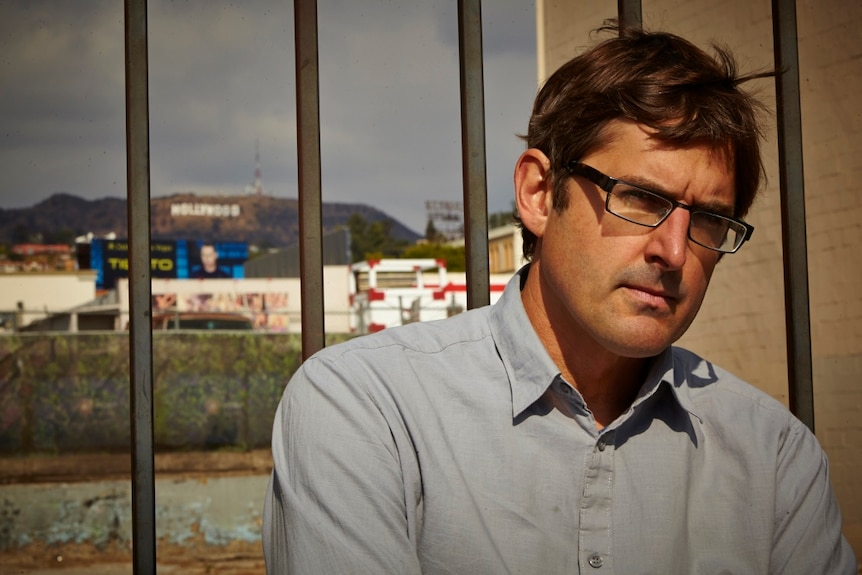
(194, 517)
(741, 325)
(39, 292)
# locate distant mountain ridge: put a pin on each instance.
(261, 220)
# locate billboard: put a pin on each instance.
(267, 310)
(171, 259)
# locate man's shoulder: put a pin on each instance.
(742, 417)
(423, 338)
(399, 364)
(713, 388)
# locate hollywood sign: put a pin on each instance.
(207, 210)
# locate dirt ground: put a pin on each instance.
(231, 568)
(86, 560)
(196, 558)
(117, 466)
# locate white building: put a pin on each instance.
(28, 297)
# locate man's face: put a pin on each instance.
(209, 258)
(632, 290)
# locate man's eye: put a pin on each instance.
(640, 199)
(711, 222)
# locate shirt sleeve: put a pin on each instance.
(808, 538)
(337, 501)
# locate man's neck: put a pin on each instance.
(608, 382)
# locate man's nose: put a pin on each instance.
(668, 243)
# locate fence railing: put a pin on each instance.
(140, 350)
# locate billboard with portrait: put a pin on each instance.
(169, 259)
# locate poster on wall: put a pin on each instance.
(173, 259)
(267, 310)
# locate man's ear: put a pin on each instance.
(533, 190)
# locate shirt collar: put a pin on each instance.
(527, 363)
(531, 370)
(667, 370)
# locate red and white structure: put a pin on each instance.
(389, 292)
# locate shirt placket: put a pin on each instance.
(595, 511)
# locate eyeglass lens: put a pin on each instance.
(648, 209)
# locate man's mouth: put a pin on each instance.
(652, 296)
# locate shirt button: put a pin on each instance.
(595, 560)
(601, 445)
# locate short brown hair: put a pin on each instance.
(656, 79)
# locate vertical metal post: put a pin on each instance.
(473, 152)
(788, 108)
(140, 329)
(308, 150)
(629, 13)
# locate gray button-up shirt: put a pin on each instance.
(456, 447)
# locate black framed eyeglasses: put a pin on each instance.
(647, 208)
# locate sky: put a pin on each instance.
(221, 82)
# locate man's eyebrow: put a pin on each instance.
(713, 206)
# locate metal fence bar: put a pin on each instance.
(788, 109)
(308, 151)
(475, 198)
(473, 153)
(629, 13)
(140, 301)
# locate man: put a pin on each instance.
(558, 431)
(209, 264)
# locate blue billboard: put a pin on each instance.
(175, 259)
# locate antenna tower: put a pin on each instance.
(258, 185)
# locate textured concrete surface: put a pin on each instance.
(206, 525)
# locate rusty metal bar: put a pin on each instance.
(308, 151)
(473, 152)
(789, 112)
(629, 13)
(140, 300)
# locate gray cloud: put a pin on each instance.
(222, 78)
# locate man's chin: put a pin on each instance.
(640, 352)
(642, 344)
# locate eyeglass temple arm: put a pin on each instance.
(606, 183)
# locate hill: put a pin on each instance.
(261, 220)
